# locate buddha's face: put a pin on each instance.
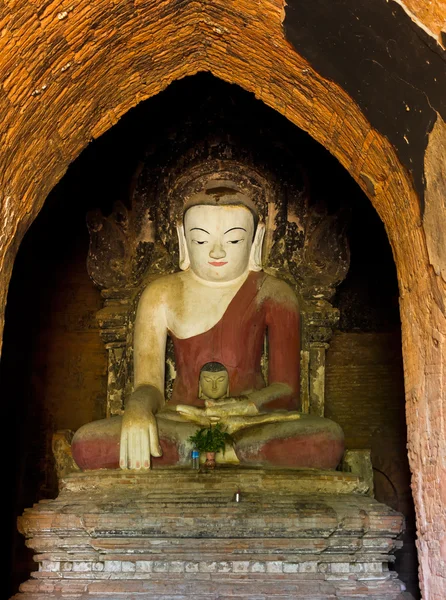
(219, 241)
(214, 385)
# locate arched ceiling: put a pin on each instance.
(74, 71)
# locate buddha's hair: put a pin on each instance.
(213, 367)
(222, 193)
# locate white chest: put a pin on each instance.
(197, 308)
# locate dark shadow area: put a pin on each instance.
(53, 369)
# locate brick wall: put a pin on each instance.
(365, 395)
(364, 386)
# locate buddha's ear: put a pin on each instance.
(184, 254)
(255, 258)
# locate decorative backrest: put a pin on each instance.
(304, 245)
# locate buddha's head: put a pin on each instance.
(220, 237)
(214, 381)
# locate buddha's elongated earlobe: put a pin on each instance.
(184, 253)
(255, 258)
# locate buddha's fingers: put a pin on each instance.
(192, 413)
(134, 450)
(123, 450)
(145, 450)
(153, 441)
(294, 416)
(234, 424)
(140, 448)
(185, 409)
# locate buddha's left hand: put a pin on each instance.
(240, 406)
(194, 414)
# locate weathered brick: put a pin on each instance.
(48, 565)
(113, 566)
(274, 566)
(338, 567)
(308, 567)
(224, 567)
(176, 566)
(191, 567)
(290, 567)
(160, 566)
(207, 566)
(257, 567)
(240, 566)
(81, 566)
(143, 566)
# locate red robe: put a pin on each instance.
(237, 341)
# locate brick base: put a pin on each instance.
(120, 537)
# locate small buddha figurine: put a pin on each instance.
(217, 309)
(214, 382)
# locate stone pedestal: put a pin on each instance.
(172, 534)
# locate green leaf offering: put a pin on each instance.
(211, 439)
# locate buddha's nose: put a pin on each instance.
(217, 251)
(214, 385)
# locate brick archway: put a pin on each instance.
(72, 73)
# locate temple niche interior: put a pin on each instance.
(54, 364)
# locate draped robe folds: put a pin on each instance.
(263, 306)
(237, 342)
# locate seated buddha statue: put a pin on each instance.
(217, 309)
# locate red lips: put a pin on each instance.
(218, 264)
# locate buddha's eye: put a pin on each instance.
(199, 242)
(236, 241)
(221, 379)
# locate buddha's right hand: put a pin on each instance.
(139, 430)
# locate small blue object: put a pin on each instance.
(195, 459)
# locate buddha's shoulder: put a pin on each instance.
(277, 290)
(163, 288)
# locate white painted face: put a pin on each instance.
(219, 241)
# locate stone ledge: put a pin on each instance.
(128, 514)
(222, 479)
(214, 588)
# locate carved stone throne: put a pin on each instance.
(301, 534)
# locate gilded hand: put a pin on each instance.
(239, 406)
(194, 414)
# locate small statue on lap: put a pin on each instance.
(217, 309)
